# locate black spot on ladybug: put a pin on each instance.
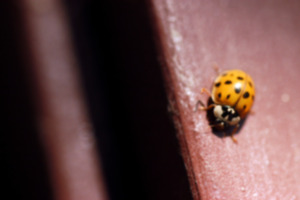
(250, 84)
(219, 95)
(228, 82)
(244, 107)
(237, 90)
(225, 74)
(228, 96)
(240, 78)
(231, 74)
(218, 84)
(246, 95)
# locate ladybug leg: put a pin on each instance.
(204, 90)
(224, 134)
(203, 107)
(251, 112)
(232, 134)
(234, 139)
(208, 107)
(216, 68)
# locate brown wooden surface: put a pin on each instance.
(261, 38)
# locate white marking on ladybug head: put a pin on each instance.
(226, 114)
(218, 111)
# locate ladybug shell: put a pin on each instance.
(234, 88)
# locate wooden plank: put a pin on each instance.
(261, 38)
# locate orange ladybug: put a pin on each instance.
(232, 97)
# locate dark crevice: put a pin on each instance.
(127, 101)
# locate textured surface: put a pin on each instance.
(261, 38)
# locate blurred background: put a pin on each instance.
(121, 79)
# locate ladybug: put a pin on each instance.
(231, 99)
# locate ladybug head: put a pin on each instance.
(225, 116)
